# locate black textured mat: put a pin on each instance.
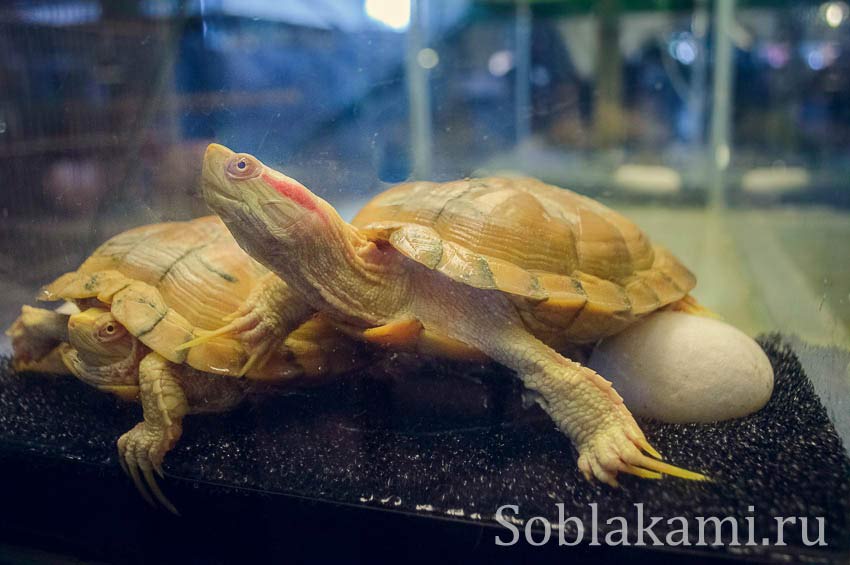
(438, 445)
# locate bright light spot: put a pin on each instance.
(777, 55)
(815, 60)
(392, 13)
(427, 58)
(683, 48)
(834, 13)
(500, 63)
(834, 16)
(686, 52)
(820, 55)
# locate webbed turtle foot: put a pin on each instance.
(621, 447)
(256, 328)
(140, 452)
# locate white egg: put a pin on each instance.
(678, 367)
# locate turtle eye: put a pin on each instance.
(242, 167)
(110, 331)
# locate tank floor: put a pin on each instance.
(430, 445)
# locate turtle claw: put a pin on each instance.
(654, 465)
(157, 492)
(133, 471)
(618, 449)
(641, 472)
(235, 323)
(249, 364)
(643, 444)
(258, 358)
(203, 338)
(257, 334)
(140, 453)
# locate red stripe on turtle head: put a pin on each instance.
(293, 192)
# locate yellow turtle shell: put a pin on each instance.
(164, 282)
(577, 270)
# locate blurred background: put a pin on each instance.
(721, 128)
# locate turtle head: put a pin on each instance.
(98, 337)
(260, 205)
(294, 233)
(102, 353)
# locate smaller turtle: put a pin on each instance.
(147, 291)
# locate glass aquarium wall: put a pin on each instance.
(721, 128)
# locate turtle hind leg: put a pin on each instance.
(142, 449)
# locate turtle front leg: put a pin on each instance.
(141, 450)
(269, 314)
(586, 407)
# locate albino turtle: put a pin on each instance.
(145, 292)
(511, 268)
